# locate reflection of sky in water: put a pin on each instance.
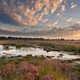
(35, 52)
(1, 47)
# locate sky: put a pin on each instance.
(40, 18)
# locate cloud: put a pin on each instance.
(62, 8)
(9, 29)
(73, 5)
(51, 25)
(70, 20)
(45, 20)
(58, 32)
(54, 32)
(31, 12)
(58, 14)
(78, 22)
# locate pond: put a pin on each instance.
(11, 51)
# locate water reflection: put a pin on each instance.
(1, 47)
(11, 51)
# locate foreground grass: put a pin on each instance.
(38, 68)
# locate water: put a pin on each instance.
(12, 51)
(1, 47)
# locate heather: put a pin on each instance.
(38, 68)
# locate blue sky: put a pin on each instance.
(40, 18)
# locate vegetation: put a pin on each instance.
(38, 68)
(46, 44)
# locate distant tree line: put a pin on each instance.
(20, 38)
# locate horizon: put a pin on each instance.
(35, 38)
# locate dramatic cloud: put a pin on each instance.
(40, 18)
(29, 12)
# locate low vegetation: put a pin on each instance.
(38, 68)
(65, 45)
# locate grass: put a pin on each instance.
(69, 46)
(29, 66)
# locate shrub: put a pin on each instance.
(48, 77)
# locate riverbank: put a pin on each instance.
(68, 46)
(8, 51)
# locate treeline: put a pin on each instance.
(20, 38)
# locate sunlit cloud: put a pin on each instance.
(46, 20)
(78, 22)
(51, 26)
(58, 14)
(9, 29)
(53, 18)
(26, 14)
(68, 32)
(73, 5)
(69, 20)
(65, 1)
(63, 8)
